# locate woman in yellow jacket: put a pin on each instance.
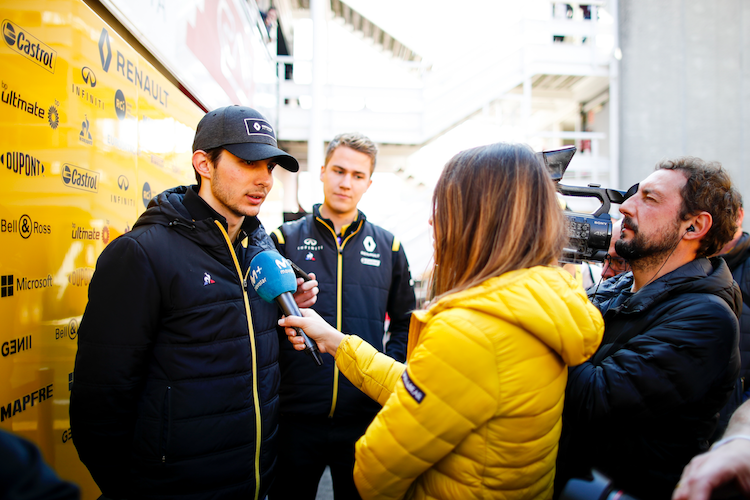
(476, 410)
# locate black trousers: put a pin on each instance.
(306, 446)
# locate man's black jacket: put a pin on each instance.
(738, 260)
(176, 390)
(647, 401)
(360, 280)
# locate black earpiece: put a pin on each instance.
(691, 229)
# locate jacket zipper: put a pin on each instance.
(166, 419)
(339, 302)
(256, 398)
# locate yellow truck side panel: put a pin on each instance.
(89, 132)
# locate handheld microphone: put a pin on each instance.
(298, 271)
(274, 280)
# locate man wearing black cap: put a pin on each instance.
(176, 376)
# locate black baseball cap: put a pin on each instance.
(244, 132)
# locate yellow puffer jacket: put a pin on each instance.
(477, 411)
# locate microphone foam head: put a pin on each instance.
(271, 275)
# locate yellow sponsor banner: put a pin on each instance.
(89, 132)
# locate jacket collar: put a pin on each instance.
(182, 206)
(739, 253)
(702, 275)
(197, 206)
(200, 210)
(354, 226)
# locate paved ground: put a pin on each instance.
(325, 488)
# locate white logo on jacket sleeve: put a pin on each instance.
(411, 388)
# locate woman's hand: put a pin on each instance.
(326, 336)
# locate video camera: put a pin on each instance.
(589, 233)
(595, 487)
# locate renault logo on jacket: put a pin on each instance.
(369, 244)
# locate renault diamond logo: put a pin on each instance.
(105, 51)
(369, 244)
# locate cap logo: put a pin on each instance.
(257, 126)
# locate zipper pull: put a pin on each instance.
(244, 284)
(178, 222)
(163, 459)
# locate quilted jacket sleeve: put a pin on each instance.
(450, 387)
(675, 361)
(370, 371)
(113, 347)
(401, 302)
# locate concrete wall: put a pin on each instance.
(685, 82)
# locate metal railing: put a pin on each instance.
(448, 93)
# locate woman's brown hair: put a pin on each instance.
(494, 210)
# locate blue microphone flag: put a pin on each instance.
(271, 275)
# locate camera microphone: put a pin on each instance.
(274, 279)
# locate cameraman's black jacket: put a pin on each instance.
(176, 391)
(738, 260)
(647, 401)
(359, 281)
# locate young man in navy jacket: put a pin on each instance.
(363, 275)
(177, 375)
